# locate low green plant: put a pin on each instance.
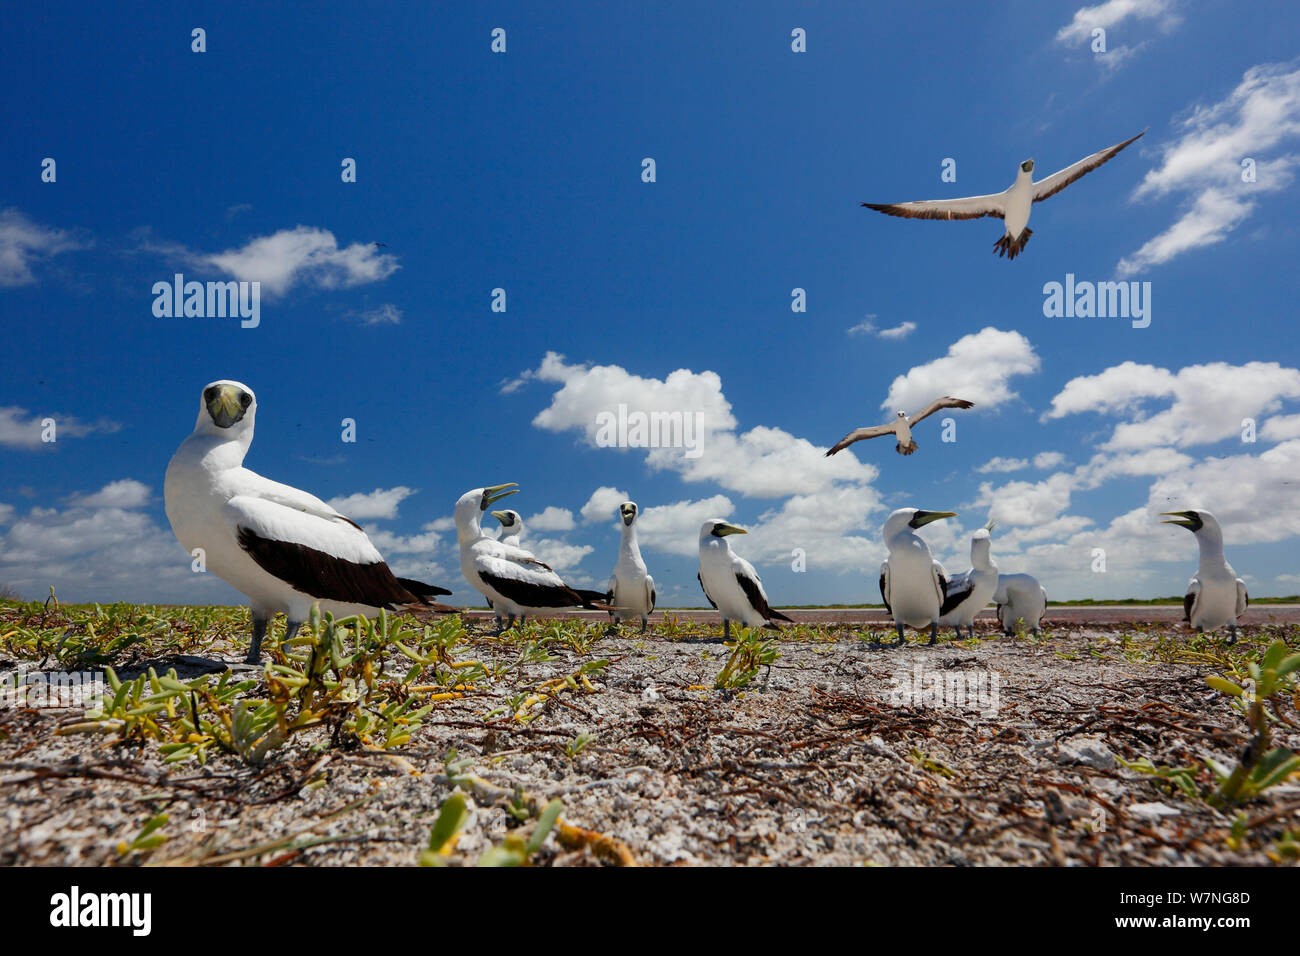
(749, 654)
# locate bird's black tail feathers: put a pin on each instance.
(422, 590)
(1006, 246)
(594, 600)
(906, 449)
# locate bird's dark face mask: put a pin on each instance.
(629, 514)
(226, 404)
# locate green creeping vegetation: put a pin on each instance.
(749, 654)
(1269, 677)
(515, 850)
(147, 840)
(533, 821)
(332, 675)
(81, 637)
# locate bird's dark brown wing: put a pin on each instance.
(324, 576)
(754, 594)
(1054, 183)
(706, 591)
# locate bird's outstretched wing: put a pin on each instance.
(1054, 183)
(938, 403)
(875, 431)
(970, 207)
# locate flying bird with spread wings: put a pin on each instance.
(1012, 205)
(901, 427)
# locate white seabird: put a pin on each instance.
(1020, 597)
(1012, 205)
(912, 582)
(969, 592)
(901, 427)
(730, 582)
(1215, 596)
(514, 581)
(512, 527)
(283, 548)
(631, 589)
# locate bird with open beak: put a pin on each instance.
(515, 582)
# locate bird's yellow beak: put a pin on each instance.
(224, 407)
(495, 493)
(500, 515)
(925, 517)
(1184, 518)
(723, 530)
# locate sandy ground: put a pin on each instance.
(819, 761)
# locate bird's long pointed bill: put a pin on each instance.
(224, 407)
(925, 517)
(1184, 519)
(725, 529)
(500, 515)
(494, 493)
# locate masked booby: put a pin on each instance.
(512, 527)
(912, 582)
(901, 427)
(513, 580)
(283, 548)
(631, 590)
(1215, 596)
(968, 593)
(730, 582)
(1020, 597)
(1012, 205)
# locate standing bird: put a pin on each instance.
(512, 527)
(631, 589)
(283, 548)
(912, 582)
(1215, 597)
(730, 582)
(1012, 205)
(901, 427)
(1020, 597)
(515, 582)
(968, 593)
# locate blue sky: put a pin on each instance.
(523, 171)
